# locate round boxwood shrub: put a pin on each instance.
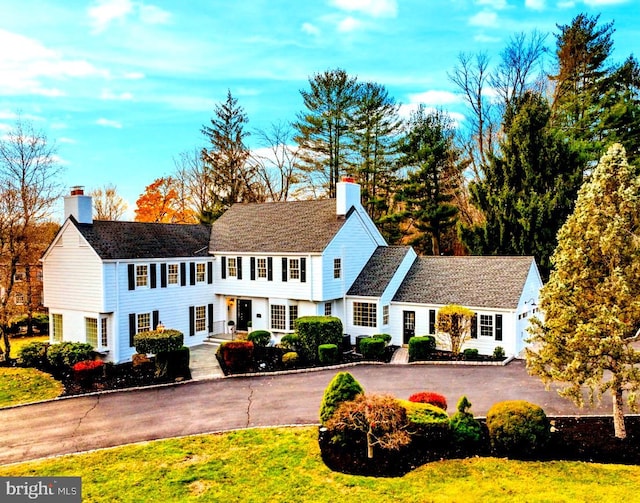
(498, 353)
(328, 354)
(470, 354)
(64, 355)
(259, 338)
(518, 428)
(430, 397)
(372, 348)
(156, 341)
(290, 342)
(236, 356)
(466, 431)
(316, 330)
(421, 347)
(290, 359)
(34, 355)
(343, 387)
(385, 337)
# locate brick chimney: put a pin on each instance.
(347, 195)
(78, 205)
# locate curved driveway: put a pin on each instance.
(104, 420)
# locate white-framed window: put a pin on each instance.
(201, 273)
(173, 274)
(337, 268)
(142, 276)
(143, 322)
(294, 268)
(278, 317)
(18, 298)
(385, 315)
(56, 327)
(91, 331)
(232, 267)
(104, 332)
(262, 267)
(486, 325)
(201, 318)
(327, 308)
(293, 316)
(19, 276)
(365, 314)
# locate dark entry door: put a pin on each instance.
(408, 325)
(244, 314)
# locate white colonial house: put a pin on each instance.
(261, 266)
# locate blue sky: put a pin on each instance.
(124, 86)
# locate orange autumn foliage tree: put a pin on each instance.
(162, 201)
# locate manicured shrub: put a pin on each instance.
(290, 341)
(156, 341)
(88, 365)
(34, 355)
(466, 431)
(470, 354)
(316, 330)
(518, 428)
(498, 353)
(259, 338)
(290, 359)
(343, 387)
(385, 337)
(328, 354)
(430, 397)
(421, 347)
(237, 356)
(87, 370)
(173, 364)
(372, 348)
(424, 417)
(64, 355)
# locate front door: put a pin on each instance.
(244, 314)
(408, 325)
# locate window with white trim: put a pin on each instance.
(385, 315)
(262, 267)
(278, 317)
(173, 272)
(18, 298)
(56, 326)
(294, 268)
(19, 276)
(142, 272)
(91, 331)
(365, 314)
(143, 322)
(201, 273)
(337, 268)
(293, 316)
(104, 332)
(201, 318)
(486, 325)
(327, 308)
(232, 267)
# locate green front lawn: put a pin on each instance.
(24, 385)
(284, 465)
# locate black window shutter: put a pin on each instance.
(192, 273)
(253, 268)
(209, 272)
(153, 275)
(498, 327)
(269, 268)
(223, 267)
(303, 269)
(192, 320)
(155, 316)
(474, 327)
(163, 275)
(432, 321)
(132, 328)
(284, 268)
(239, 267)
(210, 318)
(183, 274)
(131, 269)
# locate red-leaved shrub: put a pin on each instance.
(429, 397)
(87, 365)
(236, 355)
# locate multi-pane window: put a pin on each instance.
(293, 316)
(278, 317)
(201, 273)
(144, 322)
(486, 325)
(294, 268)
(385, 315)
(172, 274)
(104, 333)
(337, 268)
(262, 267)
(201, 318)
(327, 308)
(18, 298)
(141, 275)
(56, 324)
(232, 267)
(91, 331)
(364, 314)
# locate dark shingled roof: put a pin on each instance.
(131, 240)
(284, 227)
(379, 270)
(470, 281)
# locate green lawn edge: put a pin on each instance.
(26, 385)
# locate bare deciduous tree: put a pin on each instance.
(107, 203)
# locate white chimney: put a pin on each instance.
(78, 205)
(347, 195)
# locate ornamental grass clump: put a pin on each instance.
(342, 388)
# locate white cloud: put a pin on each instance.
(535, 4)
(493, 4)
(484, 18)
(375, 8)
(150, 14)
(104, 12)
(481, 37)
(64, 139)
(597, 3)
(109, 123)
(134, 75)
(107, 94)
(349, 24)
(435, 98)
(310, 29)
(405, 112)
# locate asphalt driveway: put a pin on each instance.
(89, 422)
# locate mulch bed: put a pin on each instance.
(441, 356)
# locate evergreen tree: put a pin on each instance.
(591, 303)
